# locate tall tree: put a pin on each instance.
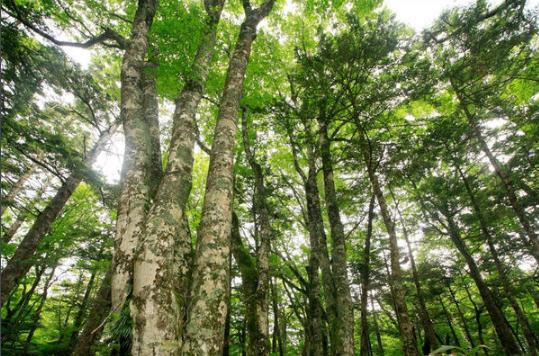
(207, 310)
(161, 279)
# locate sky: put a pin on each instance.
(421, 14)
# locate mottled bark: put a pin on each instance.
(161, 271)
(135, 192)
(259, 343)
(405, 325)
(501, 326)
(315, 328)
(96, 318)
(318, 244)
(343, 326)
(16, 189)
(365, 271)
(502, 173)
(154, 162)
(21, 261)
(204, 331)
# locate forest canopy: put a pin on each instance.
(268, 177)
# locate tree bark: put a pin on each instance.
(204, 331)
(96, 318)
(135, 192)
(405, 325)
(501, 326)
(151, 117)
(277, 343)
(365, 341)
(161, 270)
(343, 326)
(247, 267)
(259, 344)
(317, 238)
(426, 321)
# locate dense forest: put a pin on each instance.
(268, 177)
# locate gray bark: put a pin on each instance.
(405, 325)
(343, 326)
(259, 343)
(135, 192)
(161, 270)
(204, 331)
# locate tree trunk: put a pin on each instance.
(343, 326)
(260, 343)
(161, 280)
(449, 321)
(247, 267)
(431, 341)
(21, 261)
(277, 343)
(365, 341)
(8, 234)
(226, 341)
(37, 315)
(461, 316)
(96, 318)
(79, 318)
(502, 173)
(151, 117)
(317, 237)
(500, 324)
(135, 191)
(16, 189)
(500, 266)
(23, 213)
(204, 331)
(377, 329)
(405, 325)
